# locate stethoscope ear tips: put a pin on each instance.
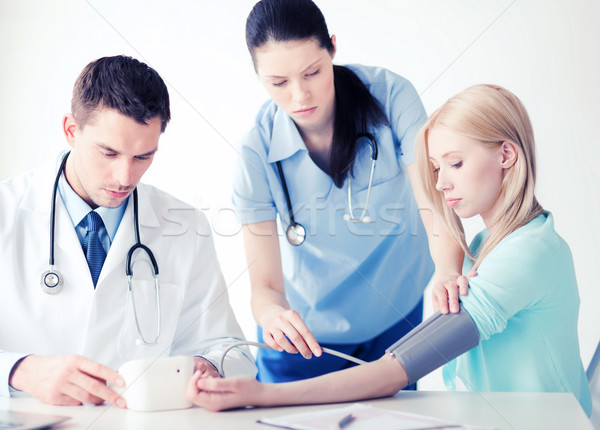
(363, 219)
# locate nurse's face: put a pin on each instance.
(298, 75)
(469, 173)
(109, 156)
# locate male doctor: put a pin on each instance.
(62, 347)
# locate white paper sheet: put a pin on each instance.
(365, 418)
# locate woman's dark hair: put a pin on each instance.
(355, 108)
(125, 84)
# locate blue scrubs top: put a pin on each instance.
(348, 281)
(525, 304)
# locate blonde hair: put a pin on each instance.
(491, 115)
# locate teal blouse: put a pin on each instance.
(525, 304)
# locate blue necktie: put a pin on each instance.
(94, 252)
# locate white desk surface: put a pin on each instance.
(514, 411)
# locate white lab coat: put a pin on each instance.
(98, 323)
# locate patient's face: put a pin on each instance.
(469, 173)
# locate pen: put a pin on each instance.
(346, 420)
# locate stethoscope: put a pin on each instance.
(52, 280)
(296, 233)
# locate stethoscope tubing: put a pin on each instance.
(53, 208)
(128, 267)
(138, 244)
(264, 345)
(286, 193)
(300, 232)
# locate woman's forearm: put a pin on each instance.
(380, 378)
(264, 267)
(446, 254)
(265, 300)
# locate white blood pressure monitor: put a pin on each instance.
(156, 384)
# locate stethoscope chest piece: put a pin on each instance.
(52, 281)
(296, 234)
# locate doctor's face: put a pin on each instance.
(298, 75)
(110, 154)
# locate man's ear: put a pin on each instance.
(509, 154)
(69, 126)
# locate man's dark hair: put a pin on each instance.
(125, 84)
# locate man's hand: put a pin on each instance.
(67, 380)
(205, 368)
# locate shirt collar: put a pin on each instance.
(77, 208)
(285, 138)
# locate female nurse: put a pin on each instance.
(331, 156)
(517, 328)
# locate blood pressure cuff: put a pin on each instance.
(434, 342)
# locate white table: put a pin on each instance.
(514, 411)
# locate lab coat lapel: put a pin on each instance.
(66, 240)
(148, 216)
(69, 257)
(38, 195)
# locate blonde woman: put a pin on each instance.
(517, 329)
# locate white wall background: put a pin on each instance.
(543, 50)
